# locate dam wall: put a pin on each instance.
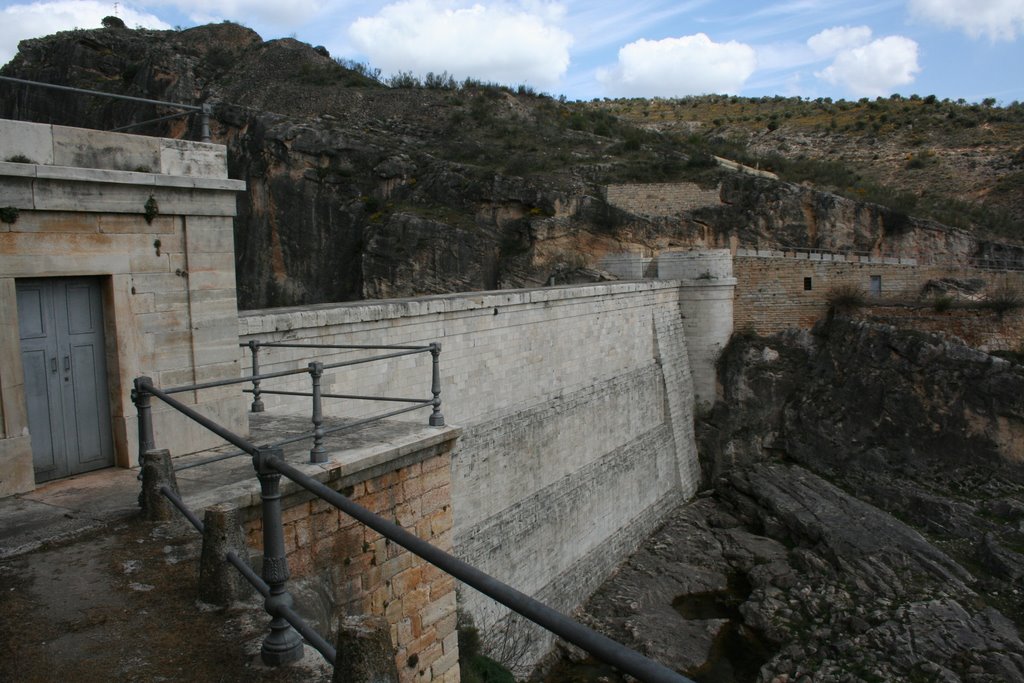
(576, 405)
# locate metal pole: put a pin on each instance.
(129, 98)
(317, 453)
(283, 645)
(204, 122)
(436, 418)
(144, 410)
(257, 402)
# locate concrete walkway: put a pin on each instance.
(93, 592)
(63, 509)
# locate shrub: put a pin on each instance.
(942, 303)
(846, 298)
(1003, 299)
(112, 22)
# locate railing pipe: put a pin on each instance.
(228, 382)
(141, 395)
(436, 418)
(360, 361)
(138, 124)
(222, 432)
(363, 347)
(310, 635)
(182, 508)
(355, 397)
(204, 121)
(283, 644)
(602, 647)
(114, 96)
(317, 453)
(257, 402)
(292, 617)
(368, 420)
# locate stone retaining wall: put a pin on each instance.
(774, 292)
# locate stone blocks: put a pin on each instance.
(569, 443)
(82, 201)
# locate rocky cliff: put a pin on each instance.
(357, 190)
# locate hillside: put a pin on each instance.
(359, 190)
(958, 163)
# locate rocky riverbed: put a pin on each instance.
(863, 521)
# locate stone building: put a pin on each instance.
(116, 259)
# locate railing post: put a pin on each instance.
(283, 644)
(144, 410)
(436, 418)
(257, 402)
(204, 121)
(317, 453)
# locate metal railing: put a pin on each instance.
(315, 371)
(283, 644)
(204, 110)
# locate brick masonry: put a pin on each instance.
(364, 573)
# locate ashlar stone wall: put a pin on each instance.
(776, 290)
(576, 405)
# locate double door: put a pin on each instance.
(64, 357)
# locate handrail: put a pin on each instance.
(204, 110)
(602, 647)
(282, 646)
(224, 433)
(318, 453)
(310, 634)
(297, 345)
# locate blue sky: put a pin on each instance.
(970, 49)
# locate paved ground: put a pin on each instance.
(89, 591)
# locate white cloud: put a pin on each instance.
(18, 22)
(499, 42)
(247, 12)
(996, 19)
(876, 68)
(832, 41)
(690, 65)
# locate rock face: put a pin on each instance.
(357, 190)
(864, 521)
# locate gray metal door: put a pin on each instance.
(64, 356)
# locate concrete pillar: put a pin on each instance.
(365, 652)
(219, 582)
(157, 471)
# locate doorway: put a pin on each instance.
(63, 353)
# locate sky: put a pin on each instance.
(585, 49)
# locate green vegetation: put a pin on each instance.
(915, 155)
(1003, 299)
(9, 214)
